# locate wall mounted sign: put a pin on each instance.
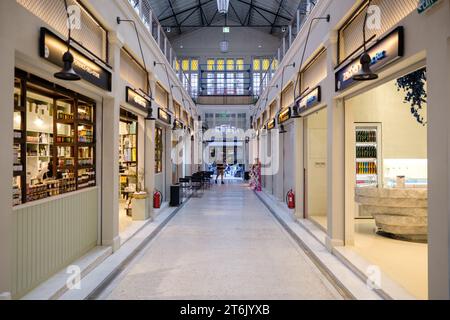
(271, 124)
(424, 5)
(164, 116)
(137, 100)
(178, 124)
(310, 99)
(52, 49)
(284, 116)
(384, 52)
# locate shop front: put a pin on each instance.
(163, 142)
(386, 162)
(133, 127)
(314, 113)
(56, 140)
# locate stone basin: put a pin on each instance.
(398, 213)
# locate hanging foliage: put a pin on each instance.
(414, 85)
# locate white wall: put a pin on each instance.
(403, 137)
(244, 42)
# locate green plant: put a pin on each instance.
(414, 85)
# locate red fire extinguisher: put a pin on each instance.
(290, 199)
(157, 197)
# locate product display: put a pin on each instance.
(53, 152)
(158, 150)
(367, 156)
(128, 153)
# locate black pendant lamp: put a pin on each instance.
(366, 73)
(68, 73)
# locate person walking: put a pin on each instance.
(220, 167)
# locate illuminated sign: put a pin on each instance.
(136, 99)
(178, 124)
(164, 116)
(310, 99)
(384, 52)
(424, 5)
(284, 116)
(271, 124)
(52, 49)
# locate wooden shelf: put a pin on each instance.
(67, 121)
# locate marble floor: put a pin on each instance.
(405, 262)
(223, 245)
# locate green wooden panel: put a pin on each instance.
(50, 236)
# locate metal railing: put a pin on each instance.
(149, 19)
(292, 31)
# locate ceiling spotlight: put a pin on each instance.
(283, 29)
(168, 29)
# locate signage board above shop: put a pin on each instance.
(271, 124)
(164, 116)
(310, 99)
(384, 52)
(178, 124)
(52, 48)
(425, 5)
(284, 115)
(137, 99)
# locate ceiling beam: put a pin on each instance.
(249, 12)
(188, 16)
(278, 26)
(184, 11)
(202, 13)
(175, 16)
(276, 16)
(265, 18)
(266, 10)
(234, 10)
(212, 19)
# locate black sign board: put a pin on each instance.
(385, 51)
(284, 115)
(310, 99)
(178, 124)
(164, 116)
(137, 99)
(271, 124)
(52, 48)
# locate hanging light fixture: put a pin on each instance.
(68, 73)
(224, 46)
(365, 73)
(222, 6)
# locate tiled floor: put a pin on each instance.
(223, 245)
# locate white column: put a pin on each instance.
(6, 159)
(335, 155)
(438, 83)
(110, 156)
(299, 168)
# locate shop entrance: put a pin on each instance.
(128, 166)
(315, 133)
(386, 179)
